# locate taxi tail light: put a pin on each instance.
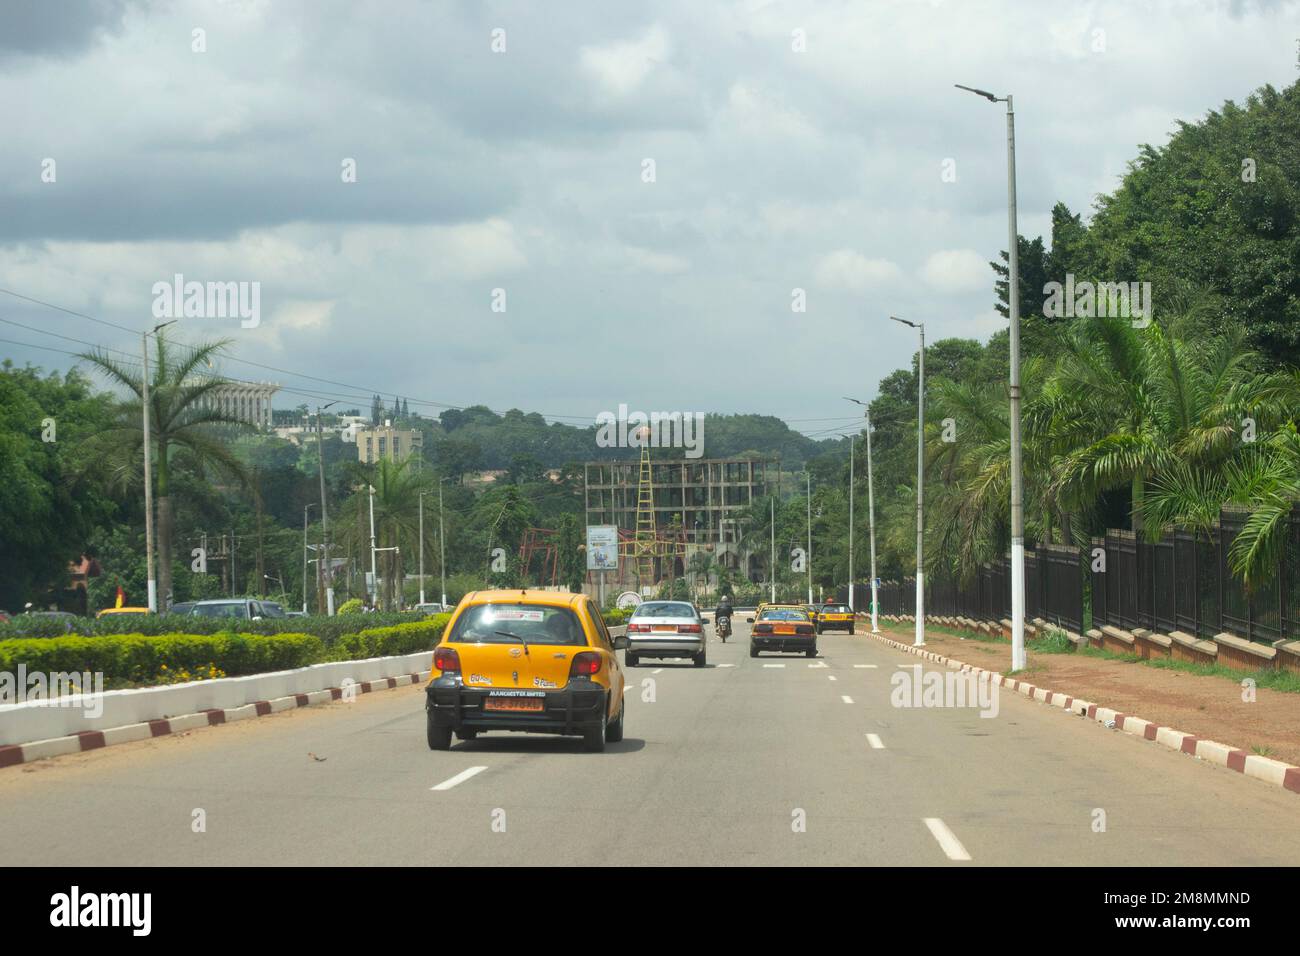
(762, 628)
(689, 629)
(446, 659)
(585, 664)
(803, 629)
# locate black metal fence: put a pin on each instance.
(1181, 583)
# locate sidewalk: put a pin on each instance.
(1208, 706)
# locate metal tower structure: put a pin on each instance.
(645, 547)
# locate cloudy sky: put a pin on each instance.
(648, 183)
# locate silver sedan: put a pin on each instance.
(665, 629)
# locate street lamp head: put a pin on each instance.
(984, 93)
(163, 325)
(915, 325)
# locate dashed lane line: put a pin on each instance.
(948, 841)
(459, 778)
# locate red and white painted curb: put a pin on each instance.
(1276, 772)
(14, 754)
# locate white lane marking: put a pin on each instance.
(860, 666)
(626, 688)
(847, 699)
(657, 670)
(947, 839)
(459, 778)
(724, 665)
(774, 665)
(874, 740)
(906, 667)
(831, 677)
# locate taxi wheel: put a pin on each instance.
(851, 631)
(811, 653)
(594, 739)
(439, 737)
(614, 732)
(753, 651)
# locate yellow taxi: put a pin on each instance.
(537, 662)
(837, 617)
(122, 610)
(783, 627)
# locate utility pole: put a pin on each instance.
(305, 509)
(148, 470)
(871, 511)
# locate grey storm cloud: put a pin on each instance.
(775, 168)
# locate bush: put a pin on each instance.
(352, 606)
(328, 629)
(616, 616)
(138, 658)
(407, 638)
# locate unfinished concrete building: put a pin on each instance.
(696, 501)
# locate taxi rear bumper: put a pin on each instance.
(572, 709)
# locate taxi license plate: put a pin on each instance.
(527, 704)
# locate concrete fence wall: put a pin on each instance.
(43, 719)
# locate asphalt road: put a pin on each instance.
(779, 760)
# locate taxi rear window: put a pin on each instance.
(783, 614)
(837, 609)
(535, 623)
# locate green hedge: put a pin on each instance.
(135, 659)
(616, 616)
(328, 629)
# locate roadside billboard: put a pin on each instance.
(602, 547)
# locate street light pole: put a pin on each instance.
(773, 529)
(871, 513)
(323, 569)
(148, 470)
(1013, 310)
(374, 573)
(920, 484)
(852, 606)
(305, 508)
(442, 547)
(422, 494)
(808, 476)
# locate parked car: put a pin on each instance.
(432, 607)
(248, 609)
(662, 629)
(783, 627)
(183, 608)
(528, 661)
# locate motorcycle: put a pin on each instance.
(724, 628)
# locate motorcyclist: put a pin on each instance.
(724, 611)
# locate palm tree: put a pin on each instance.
(180, 417)
(397, 485)
(1135, 405)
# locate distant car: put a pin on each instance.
(247, 609)
(183, 608)
(839, 617)
(295, 613)
(783, 627)
(532, 661)
(122, 610)
(665, 629)
(431, 607)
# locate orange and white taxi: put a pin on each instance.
(533, 661)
